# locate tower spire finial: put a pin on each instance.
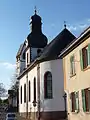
(65, 24)
(35, 9)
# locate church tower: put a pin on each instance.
(35, 23)
(36, 40)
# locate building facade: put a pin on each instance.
(40, 74)
(76, 67)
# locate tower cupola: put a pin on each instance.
(35, 23)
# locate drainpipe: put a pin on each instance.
(27, 96)
(38, 89)
(65, 98)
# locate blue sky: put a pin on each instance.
(14, 25)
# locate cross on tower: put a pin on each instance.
(65, 24)
(35, 9)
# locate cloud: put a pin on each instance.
(8, 65)
(79, 26)
(72, 28)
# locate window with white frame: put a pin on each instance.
(85, 57)
(74, 102)
(86, 99)
(72, 65)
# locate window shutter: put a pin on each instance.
(89, 98)
(88, 54)
(77, 100)
(71, 102)
(71, 65)
(81, 60)
(83, 101)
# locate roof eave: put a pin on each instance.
(62, 54)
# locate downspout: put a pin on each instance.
(27, 95)
(38, 90)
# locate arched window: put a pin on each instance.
(21, 94)
(24, 92)
(29, 91)
(48, 85)
(34, 90)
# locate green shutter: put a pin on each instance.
(83, 101)
(71, 65)
(88, 54)
(81, 60)
(77, 100)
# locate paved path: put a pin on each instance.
(21, 118)
(2, 116)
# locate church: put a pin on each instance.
(40, 73)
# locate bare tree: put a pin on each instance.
(2, 90)
(14, 82)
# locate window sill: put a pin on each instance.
(48, 98)
(72, 75)
(88, 67)
(76, 112)
(87, 112)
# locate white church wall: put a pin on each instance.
(57, 102)
(22, 107)
(31, 75)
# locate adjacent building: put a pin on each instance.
(40, 73)
(76, 67)
(12, 101)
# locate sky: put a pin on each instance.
(14, 26)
